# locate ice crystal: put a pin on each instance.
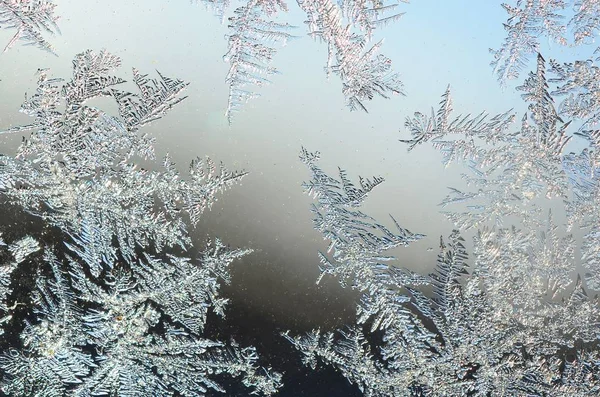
(22, 248)
(346, 27)
(560, 21)
(364, 73)
(507, 319)
(115, 312)
(248, 56)
(578, 82)
(355, 238)
(19, 251)
(74, 169)
(368, 15)
(510, 170)
(30, 18)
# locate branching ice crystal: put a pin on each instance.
(363, 73)
(116, 313)
(19, 251)
(30, 18)
(248, 56)
(509, 319)
(510, 170)
(355, 238)
(579, 83)
(346, 27)
(74, 168)
(560, 21)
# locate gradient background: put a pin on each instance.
(435, 44)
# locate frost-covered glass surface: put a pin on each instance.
(154, 235)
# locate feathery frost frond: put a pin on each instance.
(31, 18)
(527, 21)
(74, 169)
(346, 27)
(364, 72)
(575, 22)
(117, 310)
(355, 238)
(248, 56)
(368, 15)
(19, 251)
(509, 318)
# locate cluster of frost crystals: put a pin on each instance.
(133, 333)
(510, 318)
(248, 53)
(30, 18)
(517, 175)
(18, 253)
(565, 22)
(74, 169)
(577, 85)
(364, 72)
(346, 27)
(510, 171)
(116, 311)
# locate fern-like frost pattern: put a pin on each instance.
(30, 18)
(565, 22)
(118, 310)
(507, 319)
(346, 27)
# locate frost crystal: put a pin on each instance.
(346, 27)
(19, 251)
(22, 248)
(76, 170)
(579, 82)
(248, 56)
(355, 238)
(30, 18)
(530, 20)
(363, 73)
(116, 313)
(508, 319)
